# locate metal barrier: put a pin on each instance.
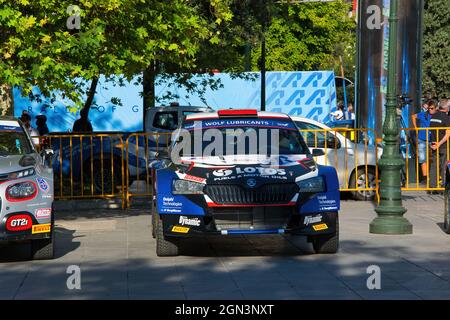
(105, 166)
(87, 166)
(356, 162)
(141, 150)
(411, 147)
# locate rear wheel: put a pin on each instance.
(165, 246)
(327, 243)
(105, 179)
(362, 179)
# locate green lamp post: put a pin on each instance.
(390, 211)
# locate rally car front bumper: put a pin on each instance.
(255, 220)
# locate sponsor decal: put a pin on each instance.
(43, 185)
(312, 219)
(41, 228)
(179, 229)
(185, 221)
(19, 222)
(169, 201)
(328, 208)
(319, 227)
(194, 178)
(325, 202)
(171, 210)
(43, 213)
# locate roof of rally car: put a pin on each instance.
(236, 113)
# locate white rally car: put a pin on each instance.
(26, 192)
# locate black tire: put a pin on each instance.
(165, 247)
(327, 243)
(447, 211)
(359, 177)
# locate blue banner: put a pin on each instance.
(104, 114)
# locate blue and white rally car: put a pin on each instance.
(243, 172)
(26, 192)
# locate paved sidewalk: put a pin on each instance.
(116, 254)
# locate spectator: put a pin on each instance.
(444, 105)
(339, 113)
(350, 113)
(438, 144)
(26, 120)
(422, 120)
(83, 124)
(41, 125)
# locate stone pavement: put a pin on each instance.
(116, 254)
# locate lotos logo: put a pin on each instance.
(19, 222)
(43, 185)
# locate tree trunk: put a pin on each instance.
(6, 101)
(91, 94)
(149, 87)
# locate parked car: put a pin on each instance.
(26, 192)
(249, 190)
(354, 162)
(99, 159)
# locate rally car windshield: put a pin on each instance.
(241, 137)
(13, 143)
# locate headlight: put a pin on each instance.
(21, 191)
(314, 185)
(187, 187)
(21, 174)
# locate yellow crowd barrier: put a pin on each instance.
(433, 163)
(88, 166)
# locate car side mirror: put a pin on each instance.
(317, 152)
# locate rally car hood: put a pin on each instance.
(13, 163)
(253, 171)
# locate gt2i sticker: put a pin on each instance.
(43, 185)
(312, 219)
(41, 228)
(185, 221)
(43, 213)
(180, 229)
(19, 223)
(319, 227)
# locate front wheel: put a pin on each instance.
(447, 212)
(362, 179)
(327, 243)
(165, 247)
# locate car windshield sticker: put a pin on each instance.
(10, 126)
(232, 123)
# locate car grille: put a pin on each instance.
(256, 218)
(266, 194)
(4, 177)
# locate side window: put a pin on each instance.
(315, 136)
(166, 120)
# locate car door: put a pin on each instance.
(335, 154)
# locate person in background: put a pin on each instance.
(422, 120)
(339, 113)
(26, 120)
(83, 124)
(439, 139)
(41, 125)
(444, 104)
(350, 113)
